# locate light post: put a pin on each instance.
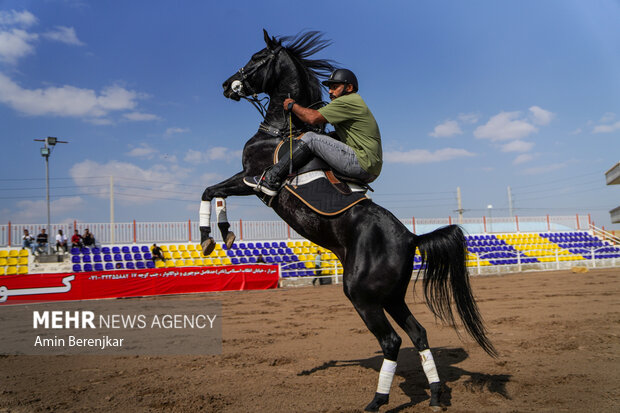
(490, 209)
(46, 151)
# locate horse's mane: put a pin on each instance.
(300, 47)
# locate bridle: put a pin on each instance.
(238, 86)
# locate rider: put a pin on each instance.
(356, 153)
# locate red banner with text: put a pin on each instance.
(16, 289)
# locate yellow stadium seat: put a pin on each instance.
(191, 247)
(208, 261)
(22, 270)
(290, 244)
(12, 262)
(14, 253)
(3, 262)
(160, 264)
(188, 263)
(11, 271)
(179, 263)
(164, 247)
(2, 270)
(182, 247)
(217, 261)
(167, 255)
(172, 248)
(169, 263)
(221, 254)
(199, 262)
(4, 254)
(22, 261)
(226, 261)
(185, 255)
(23, 253)
(176, 255)
(195, 254)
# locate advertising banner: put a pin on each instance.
(16, 289)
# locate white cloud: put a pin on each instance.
(15, 44)
(470, 118)
(17, 18)
(540, 116)
(607, 128)
(174, 131)
(143, 151)
(523, 158)
(517, 146)
(139, 116)
(65, 100)
(32, 211)
(608, 117)
(446, 129)
(576, 131)
(193, 157)
(132, 183)
(218, 153)
(64, 34)
(505, 126)
(538, 170)
(421, 156)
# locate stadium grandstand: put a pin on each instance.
(494, 246)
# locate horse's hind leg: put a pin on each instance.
(400, 312)
(378, 324)
(206, 241)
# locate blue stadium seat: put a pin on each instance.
(247, 253)
(230, 253)
(137, 256)
(282, 244)
(76, 259)
(269, 260)
(243, 260)
(86, 258)
(127, 257)
(234, 260)
(98, 267)
(135, 249)
(85, 250)
(116, 250)
(97, 258)
(150, 264)
(259, 245)
(105, 250)
(88, 267)
(251, 245)
(278, 258)
(140, 265)
(252, 260)
(272, 251)
(280, 251)
(147, 256)
(96, 251)
(125, 249)
(144, 248)
(118, 257)
(130, 265)
(107, 258)
(75, 251)
(242, 245)
(109, 266)
(77, 268)
(264, 252)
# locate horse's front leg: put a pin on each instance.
(219, 192)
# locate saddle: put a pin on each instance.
(319, 187)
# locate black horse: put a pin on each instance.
(376, 250)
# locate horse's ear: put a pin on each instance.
(267, 39)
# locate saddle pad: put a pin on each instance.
(322, 197)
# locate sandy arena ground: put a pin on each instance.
(307, 350)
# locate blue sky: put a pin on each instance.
(479, 95)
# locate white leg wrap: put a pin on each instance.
(205, 213)
(220, 210)
(388, 368)
(428, 364)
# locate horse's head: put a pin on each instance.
(254, 77)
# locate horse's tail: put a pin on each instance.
(444, 254)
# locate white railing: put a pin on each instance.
(188, 231)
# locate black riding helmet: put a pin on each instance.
(342, 76)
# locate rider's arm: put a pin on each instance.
(306, 115)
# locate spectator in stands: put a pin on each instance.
(42, 240)
(317, 269)
(61, 241)
(88, 239)
(119, 266)
(76, 240)
(28, 241)
(157, 253)
(260, 259)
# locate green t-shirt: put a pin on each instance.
(357, 127)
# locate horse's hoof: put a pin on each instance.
(435, 404)
(208, 246)
(230, 238)
(379, 400)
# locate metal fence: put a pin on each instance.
(188, 231)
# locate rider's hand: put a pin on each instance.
(287, 102)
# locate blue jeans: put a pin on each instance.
(340, 156)
(28, 244)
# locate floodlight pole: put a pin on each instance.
(50, 142)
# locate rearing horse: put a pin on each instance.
(376, 250)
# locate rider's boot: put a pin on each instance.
(271, 180)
